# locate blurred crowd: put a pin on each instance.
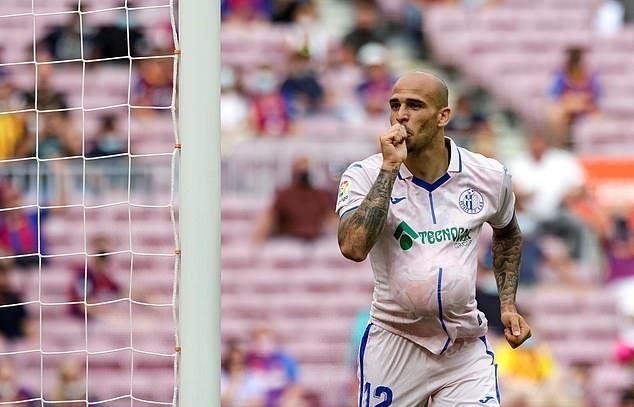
(571, 240)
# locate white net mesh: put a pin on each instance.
(88, 234)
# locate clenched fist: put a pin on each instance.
(393, 146)
(516, 330)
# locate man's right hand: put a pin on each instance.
(393, 147)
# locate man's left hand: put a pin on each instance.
(516, 330)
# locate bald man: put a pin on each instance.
(417, 208)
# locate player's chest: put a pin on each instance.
(443, 214)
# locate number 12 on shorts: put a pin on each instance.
(381, 394)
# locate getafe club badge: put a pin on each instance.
(471, 201)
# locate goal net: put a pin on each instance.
(88, 235)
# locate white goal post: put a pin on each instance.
(199, 122)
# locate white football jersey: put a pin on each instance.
(425, 260)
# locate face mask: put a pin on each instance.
(303, 178)
(109, 143)
(7, 391)
(264, 82)
(75, 390)
(264, 347)
(227, 78)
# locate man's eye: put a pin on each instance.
(394, 106)
(415, 106)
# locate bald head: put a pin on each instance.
(430, 85)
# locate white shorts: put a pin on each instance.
(394, 371)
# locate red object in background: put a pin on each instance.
(612, 181)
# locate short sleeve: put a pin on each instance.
(506, 207)
(354, 186)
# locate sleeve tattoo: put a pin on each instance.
(507, 252)
(359, 230)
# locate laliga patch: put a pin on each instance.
(343, 191)
(471, 201)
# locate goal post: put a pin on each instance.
(199, 190)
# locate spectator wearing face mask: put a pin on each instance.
(300, 211)
(112, 40)
(234, 105)
(268, 361)
(71, 384)
(270, 115)
(108, 141)
(301, 88)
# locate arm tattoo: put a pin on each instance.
(361, 229)
(507, 252)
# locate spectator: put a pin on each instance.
(269, 111)
(367, 26)
(530, 374)
(234, 105)
(10, 390)
(13, 128)
(376, 86)
(245, 11)
(111, 40)
(277, 369)
(15, 323)
(341, 78)
(308, 35)
(58, 137)
(300, 211)
(108, 140)
(47, 98)
(575, 93)
(239, 386)
(544, 177)
(71, 384)
(64, 42)
(19, 227)
(620, 247)
(153, 83)
(464, 118)
(100, 285)
(301, 88)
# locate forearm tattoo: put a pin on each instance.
(507, 253)
(363, 226)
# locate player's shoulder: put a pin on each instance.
(370, 164)
(480, 163)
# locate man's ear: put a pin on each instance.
(444, 115)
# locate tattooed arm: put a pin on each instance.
(507, 251)
(360, 228)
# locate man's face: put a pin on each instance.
(417, 113)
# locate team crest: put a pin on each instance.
(471, 201)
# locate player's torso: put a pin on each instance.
(429, 244)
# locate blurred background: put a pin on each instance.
(545, 86)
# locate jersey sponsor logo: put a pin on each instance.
(486, 399)
(343, 191)
(397, 200)
(471, 201)
(406, 236)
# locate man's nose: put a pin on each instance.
(402, 116)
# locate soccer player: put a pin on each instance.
(417, 209)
